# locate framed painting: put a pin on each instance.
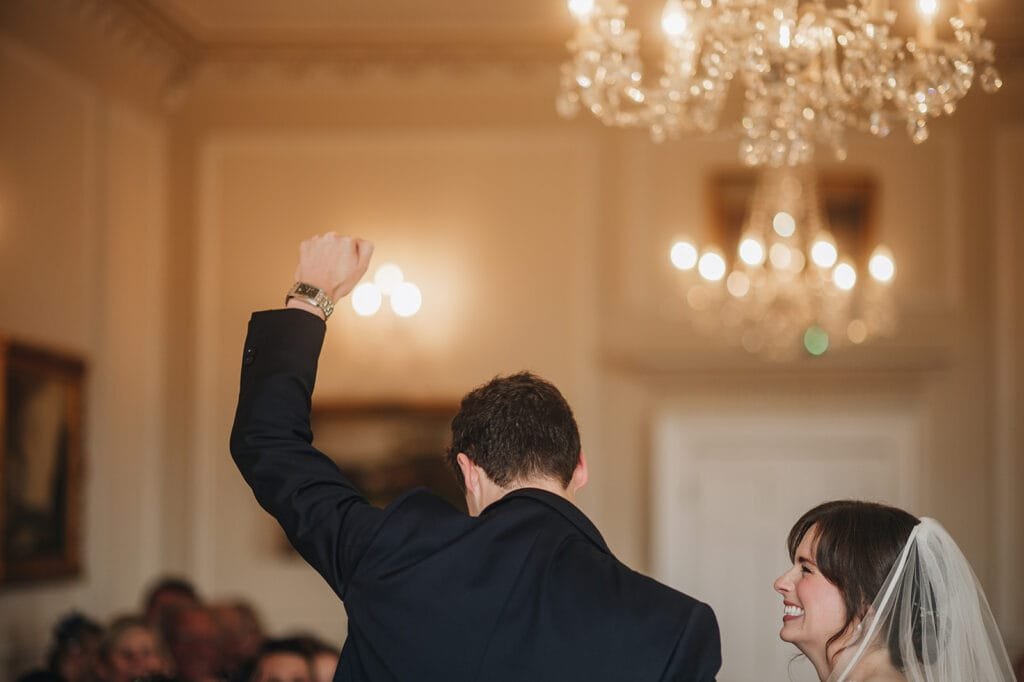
(387, 448)
(41, 461)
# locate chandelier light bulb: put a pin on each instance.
(387, 277)
(711, 266)
(581, 9)
(674, 21)
(366, 299)
(683, 255)
(784, 35)
(845, 276)
(751, 251)
(406, 299)
(881, 266)
(928, 9)
(783, 224)
(823, 252)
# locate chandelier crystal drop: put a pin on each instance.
(808, 70)
(788, 286)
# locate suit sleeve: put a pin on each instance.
(698, 654)
(326, 519)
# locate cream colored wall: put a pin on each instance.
(81, 241)
(537, 243)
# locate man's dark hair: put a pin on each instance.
(857, 544)
(286, 645)
(514, 428)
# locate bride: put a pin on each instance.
(876, 594)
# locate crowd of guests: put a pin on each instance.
(179, 637)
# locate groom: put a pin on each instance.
(524, 588)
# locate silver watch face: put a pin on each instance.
(303, 289)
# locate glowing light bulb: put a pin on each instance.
(784, 35)
(366, 299)
(581, 9)
(928, 8)
(844, 276)
(824, 253)
(751, 251)
(674, 21)
(387, 277)
(783, 224)
(406, 299)
(683, 255)
(881, 266)
(711, 266)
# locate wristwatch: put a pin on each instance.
(311, 295)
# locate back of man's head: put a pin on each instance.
(516, 428)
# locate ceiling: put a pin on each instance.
(256, 24)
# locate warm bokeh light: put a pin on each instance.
(881, 266)
(366, 299)
(751, 251)
(711, 266)
(406, 299)
(387, 277)
(783, 224)
(824, 253)
(857, 330)
(683, 255)
(845, 276)
(738, 284)
(780, 256)
(581, 9)
(674, 21)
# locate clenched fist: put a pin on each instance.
(332, 263)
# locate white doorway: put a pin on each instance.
(728, 485)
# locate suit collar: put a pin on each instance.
(562, 506)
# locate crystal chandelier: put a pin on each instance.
(788, 285)
(808, 71)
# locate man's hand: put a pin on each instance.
(332, 263)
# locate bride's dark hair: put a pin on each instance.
(857, 545)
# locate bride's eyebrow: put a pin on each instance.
(804, 560)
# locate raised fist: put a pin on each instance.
(333, 263)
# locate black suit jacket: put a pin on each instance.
(527, 591)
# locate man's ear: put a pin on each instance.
(470, 475)
(580, 475)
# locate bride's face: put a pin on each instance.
(814, 609)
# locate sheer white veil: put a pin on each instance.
(931, 617)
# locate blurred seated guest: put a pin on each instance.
(193, 640)
(131, 649)
(283, 660)
(325, 657)
(167, 594)
(73, 654)
(241, 633)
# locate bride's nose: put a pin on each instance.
(783, 583)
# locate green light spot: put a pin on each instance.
(816, 340)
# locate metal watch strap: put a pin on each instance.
(312, 295)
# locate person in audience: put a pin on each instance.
(167, 594)
(241, 633)
(875, 594)
(193, 640)
(76, 641)
(131, 649)
(283, 660)
(522, 588)
(325, 657)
